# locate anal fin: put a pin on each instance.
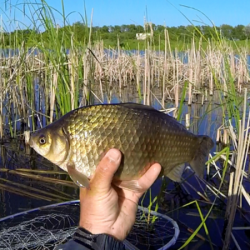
(78, 178)
(176, 173)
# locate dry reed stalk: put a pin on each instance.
(101, 73)
(232, 62)
(214, 190)
(190, 75)
(236, 178)
(188, 120)
(19, 81)
(177, 83)
(199, 71)
(29, 188)
(225, 137)
(86, 69)
(235, 242)
(1, 124)
(198, 192)
(39, 177)
(146, 89)
(18, 191)
(53, 87)
(165, 70)
(63, 192)
(138, 73)
(149, 79)
(209, 61)
(1, 105)
(39, 171)
(205, 95)
(119, 69)
(241, 228)
(72, 75)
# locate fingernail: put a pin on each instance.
(114, 155)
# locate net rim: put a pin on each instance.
(128, 245)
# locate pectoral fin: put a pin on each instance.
(78, 178)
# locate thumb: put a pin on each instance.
(105, 170)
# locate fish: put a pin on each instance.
(78, 140)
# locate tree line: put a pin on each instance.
(109, 34)
(180, 33)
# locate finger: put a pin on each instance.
(105, 170)
(144, 182)
(149, 177)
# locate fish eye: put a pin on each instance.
(42, 140)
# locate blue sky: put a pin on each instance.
(163, 12)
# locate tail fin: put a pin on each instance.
(200, 157)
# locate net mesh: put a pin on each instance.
(48, 227)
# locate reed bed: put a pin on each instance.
(33, 83)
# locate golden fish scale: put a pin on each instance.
(143, 136)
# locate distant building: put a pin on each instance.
(142, 36)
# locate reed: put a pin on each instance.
(39, 177)
(28, 188)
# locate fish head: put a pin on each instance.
(52, 143)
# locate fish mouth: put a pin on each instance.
(28, 138)
(30, 142)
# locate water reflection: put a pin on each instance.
(27, 180)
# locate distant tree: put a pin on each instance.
(104, 29)
(139, 29)
(117, 29)
(159, 28)
(132, 28)
(111, 29)
(239, 32)
(78, 24)
(173, 33)
(247, 31)
(226, 31)
(124, 28)
(207, 31)
(181, 33)
(193, 30)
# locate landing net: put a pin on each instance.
(50, 226)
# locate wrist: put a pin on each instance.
(96, 241)
(92, 229)
(118, 233)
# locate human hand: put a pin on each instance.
(108, 209)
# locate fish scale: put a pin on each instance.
(143, 135)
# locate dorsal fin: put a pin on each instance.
(136, 106)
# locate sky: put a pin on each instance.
(159, 12)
